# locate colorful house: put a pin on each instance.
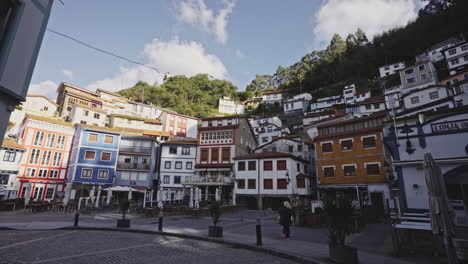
(44, 165)
(10, 157)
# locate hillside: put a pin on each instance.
(196, 96)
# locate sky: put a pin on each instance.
(227, 39)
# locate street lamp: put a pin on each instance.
(407, 130)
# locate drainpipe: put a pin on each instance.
(259, 196)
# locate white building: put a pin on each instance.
(391, 68)
(83, 114)
(228, 106)
(22, 28)
(429, 96)
(10, 157)
(177, 165)
(418, 76)
(179, 125)
(268, 179)
(298, 104)
(272, 97)
(393, 97)
(294, 145)
(435, 52)
(135, 122)
(268, 129)
(372, 105)
(456, 57)
(325, 103)
(460, 91)
(349, 93)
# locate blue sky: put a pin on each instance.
(227, 39)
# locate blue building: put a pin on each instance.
(93, 158)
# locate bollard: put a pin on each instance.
(160, 221)
(259, 231)
(77, 216)
(242, 219)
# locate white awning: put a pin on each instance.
(123, 189)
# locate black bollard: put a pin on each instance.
(160, 222)
(77, 216)
(259, 231)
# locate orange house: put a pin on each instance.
(350, 157)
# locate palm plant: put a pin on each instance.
(215, 211)
(339, 212)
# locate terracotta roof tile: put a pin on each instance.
(49, 120)
(8, 143)
(48, 99)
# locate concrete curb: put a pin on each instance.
(233, 244)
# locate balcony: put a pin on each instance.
(208, 180)
(133, 166)
(135, 149)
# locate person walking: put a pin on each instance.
(285, 213)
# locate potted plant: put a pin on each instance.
(124, 205)
(215, 212)
(339, 213)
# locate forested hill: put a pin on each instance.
(355, 59)
(196, 96)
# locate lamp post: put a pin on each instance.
(293, 199)
(407, 130)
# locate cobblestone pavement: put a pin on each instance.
(117, 247)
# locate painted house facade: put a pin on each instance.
(391, 68)
(93, 157)
(272, 97)
(265, 180)
(179, 125)
(457, 58)
(81, 114)
(45, 163)
(418, 76)
(228, 106)
(68, 95)
(10, 158)
(298, 104)
(267, 129)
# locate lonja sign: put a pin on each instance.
(450, 126)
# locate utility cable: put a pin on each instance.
(101, 50)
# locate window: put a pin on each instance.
(57, 159)
(452, 51)
(60, 141)
(86, 112)
(30, 172)
(46, 157)
(9, 156)
(298, 167)
(214, 155)
(328, 171)
(167, 179)
(106, 156)
(376, 106)
(267, 165)
(188, 165)
(251, 183)
(35, 153)
(92, 137)
(465, 57)
(185, 151)
(346, 144)
(464, 47)
(368, 142)
(368, 107)
(178, 165)
(281, 165)
(300, 182)
(172, 150)
(268, 184)
(83, 122)
(454, 61)
(204, 155)
(327, 147)
(39, 138)
(386, 68)
(42, 173)
(372, 169)
(241, 166)
(411, 80)
(264, 139)
(423, 76)
(282, 184)
(226, 154)
(291, 148)
(90, 155)
(103, 174)
(299, 147)
(86, 173)
(252, 165)
(108, 139)
(422, 67)
(409, 71)
(50, 140)
(167, 165)
(241, 184)
(53, 174)
(349, 170)
(434, 95)
(414, 100)
(177, 180)
(96, 115)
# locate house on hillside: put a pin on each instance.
(272, 97)
(297, 104)
(228, 106)
(418, 76)
(68, 95)
(267, 129)
(11, 154)
(81, 114)
(390, 69)
(456, 58)
(179, 125)
(372, 105)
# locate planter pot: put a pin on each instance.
(313, 220)
(123, 223)
(343, 255)
(461, 248)
(215, 231)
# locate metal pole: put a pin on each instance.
(77, 216)
(160, 221)
(259, 231)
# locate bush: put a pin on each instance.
(339, 212)
(215, 211)
(124, 205)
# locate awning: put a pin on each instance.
(126, 189)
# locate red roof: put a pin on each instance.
(380, 114)
(268, 155)
(362, 92)
(374, 99)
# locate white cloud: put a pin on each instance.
(196, 13)
(372, 16)
(68, 74)
(46, 88)
(187, 58)
(240, 54)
